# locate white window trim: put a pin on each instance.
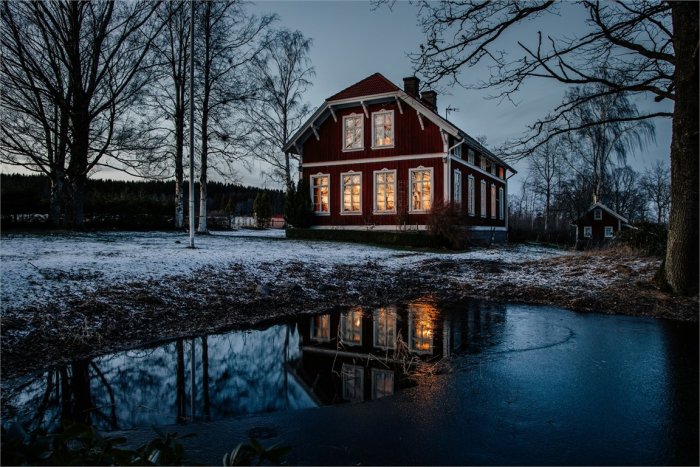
(375, 319)
(605, 231)
(482, 204)
(374, 130)
(313, 328)
(378, 371)
(343, 212)
(343, 328)
(362, 132)
(471, 195)
(346, 368)
(501, 203)
(457, 151)
(470, 156)
(597, 214)
(374, 192)
(420, 168)
(590, 231)
(482, 163)
(411, 319)
(493, 201)
(457, 195)
(311, 182)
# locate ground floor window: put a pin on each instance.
(493, 201)
(470, 194)
(352, 193)
(483, 198)
(320, 193)
(421, 189)
(587, 231)
(608, 231)
(385, 191)
(458, 187)
(501, 203)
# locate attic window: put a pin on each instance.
(597, 214)
(383, 129)
(353, 132)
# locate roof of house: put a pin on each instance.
(605, 208)
(373, 84)
(378, 87)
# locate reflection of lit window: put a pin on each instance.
(353, 382)
(382, 383)
(421, 189)
(385, 329)
(420, 328)
(351, 327)
(351, 193)
(321, 328)
(384, 191)
(319, 193)
(383, 129)
(353, 132)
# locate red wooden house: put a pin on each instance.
(598, 225)
(377, 156)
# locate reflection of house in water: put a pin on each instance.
(362, 354)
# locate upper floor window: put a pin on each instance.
(383, 129)
(597, 214)
(320, 193)
(385, 191)
(353, 132)
(470, 156)
(351, 192)
(470, 194)
(421, 189)
(493, 169)
(457, 151)
(482, 162)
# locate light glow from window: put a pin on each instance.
(353, 132)
(320, 193)
(351, 192)
(383, 129)
(421, 192)
(385, 191)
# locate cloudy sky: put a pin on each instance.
(351, 41)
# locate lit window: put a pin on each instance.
(382, 383)
(421, 189)
(587, 231)
(608, 231)
(385, 191)
(470, 156)
(320, 193)
(470, 194)
(493, 201)
(351, 327)
(420, 328)
(458, 187)
(353, 382)
(383, 129)
(353, 132)
(321, 328)
(351, 189)
(501, 203)
(597, 214)
(385, 328)
(483, 198)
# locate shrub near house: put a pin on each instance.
(379, 157)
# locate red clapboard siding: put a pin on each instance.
(476, 219)
(598, 227)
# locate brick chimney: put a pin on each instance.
(430, 99)
(410, 86)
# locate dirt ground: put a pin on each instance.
(216, 298)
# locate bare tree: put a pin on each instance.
(546, 172)
(656, 184)
(228, 40)
(625, 194)
(644, 47)
(283, 73)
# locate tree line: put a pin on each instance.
(25, 201)
(89, 85)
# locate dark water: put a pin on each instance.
(607, 389)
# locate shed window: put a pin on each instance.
(351, 190)
(587, 231)
(421, 189)
(608, 231)
(353, 132)
(383, 129)
(385, 191)
(597, 214)
(320, 193)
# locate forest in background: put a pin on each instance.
(121, 204)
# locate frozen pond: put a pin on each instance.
(472, 383)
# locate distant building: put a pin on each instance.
(380, 157)
(598, 225)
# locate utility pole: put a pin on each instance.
(192, 124)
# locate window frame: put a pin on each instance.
(344, 327)
(605, 231)
(482, 163)
(457, 151)
(501, 203)
(493, 201)
(412, 320)
(356, 370)
(471, 157)
(483, 202)
(362, 131)
(597, 214)
(589, 229)
(457, 190)
(314, 337)
(343, 211)
(471, 194)
(313, 206)
(374, 129)
(375, 328)
(410, 190)
(379, 371)
(375, 210)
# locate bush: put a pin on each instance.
(262, 210)
(297, 206)
(647, 237)
(447, 224)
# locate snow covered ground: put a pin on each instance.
(34, 268)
